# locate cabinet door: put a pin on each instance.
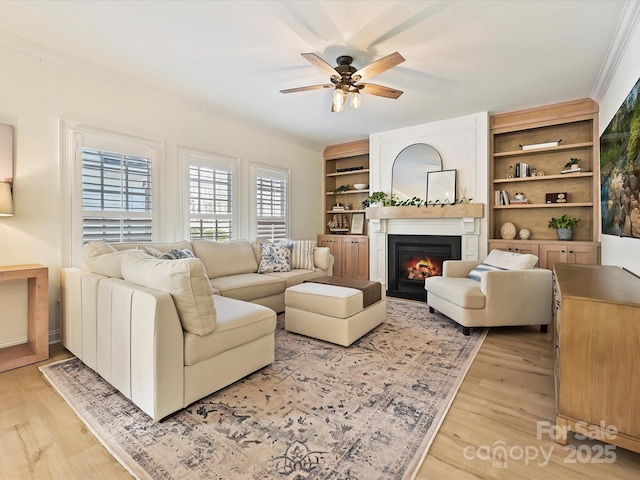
(506, 246)
(550, 254)
(334, 243)
(356, 258)
(582, 254)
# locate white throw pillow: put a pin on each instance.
(321, 257)
(185, 279)
(101, 258)
(511, 261)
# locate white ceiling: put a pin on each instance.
(462, 57)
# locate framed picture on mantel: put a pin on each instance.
(441, 186)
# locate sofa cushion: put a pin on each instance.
(185, 279)
(237, 322)
(302, 253)
(101, 258)
(248, 286)
(510, 260)
(222, 259)
(161, 247)
(297, 276)
(275, 257)
(462, 292)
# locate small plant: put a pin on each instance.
(375, 197)
(341, 188)
(572, 161)
(564, 222)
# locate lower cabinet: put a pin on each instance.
(523, 247)
(568, 252)
(351, 254)
(550, 252)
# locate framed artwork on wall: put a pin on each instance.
(441, 186)
(620, 169)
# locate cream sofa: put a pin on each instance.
(167, 333)
(503, 290)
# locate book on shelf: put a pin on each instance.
(518, 201)
(572, 170)
(540, 145)
(500, 197)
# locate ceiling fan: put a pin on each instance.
(345, 79)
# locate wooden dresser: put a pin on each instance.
(597, 353)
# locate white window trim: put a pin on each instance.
(253, 207)
(72, 140)
(189, 156)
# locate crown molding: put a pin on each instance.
(628, 21)
(57, 59)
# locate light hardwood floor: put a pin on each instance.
(507, 390)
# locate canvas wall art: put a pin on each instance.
(620, 169)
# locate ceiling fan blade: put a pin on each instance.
(304, 89)
(322, 65)
(375, 68)
(379, 90)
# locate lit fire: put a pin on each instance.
(424, 268)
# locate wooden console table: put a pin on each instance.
(597, 334)
(37, 346)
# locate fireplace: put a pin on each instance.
(412, 258)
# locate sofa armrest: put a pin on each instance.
(141, 345)
(458, 268)
(529, 289)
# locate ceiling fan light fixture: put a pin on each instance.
(356, 100)
(338, 97)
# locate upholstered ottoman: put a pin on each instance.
(333, 313)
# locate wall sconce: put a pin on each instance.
(6, 170)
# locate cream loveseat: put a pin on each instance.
(503, 290)
(166, 333)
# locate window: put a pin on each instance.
(110, 182)
(271, 203)
(116, 197)
(210, 196)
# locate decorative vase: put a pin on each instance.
(564, 233)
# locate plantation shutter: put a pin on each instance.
(271, 204)
(116, 197)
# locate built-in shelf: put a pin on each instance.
(350, 172)
(544, 205)
(543, 177)
(533, 151)
(347, 192)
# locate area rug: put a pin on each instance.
(320, 411)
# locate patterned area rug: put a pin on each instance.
(320, 411)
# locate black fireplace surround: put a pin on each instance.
(412, 258)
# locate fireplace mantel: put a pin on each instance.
(459, 210)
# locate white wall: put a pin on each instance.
(624, 252)
(36, 96)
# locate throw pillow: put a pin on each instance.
(176, 254)
(483, 267)
(101, 258)
(184, 279)
(321, 257)
(510, 260)
(275, 258)
(154, 252)
(302, 253)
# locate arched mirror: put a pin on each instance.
(410, 168)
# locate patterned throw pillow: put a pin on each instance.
(276, 257)
(302, 253)
(154, 252)
(177, 254)
(483, 267)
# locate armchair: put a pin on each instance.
(503, 290)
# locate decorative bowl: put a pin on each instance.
(360, 186)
